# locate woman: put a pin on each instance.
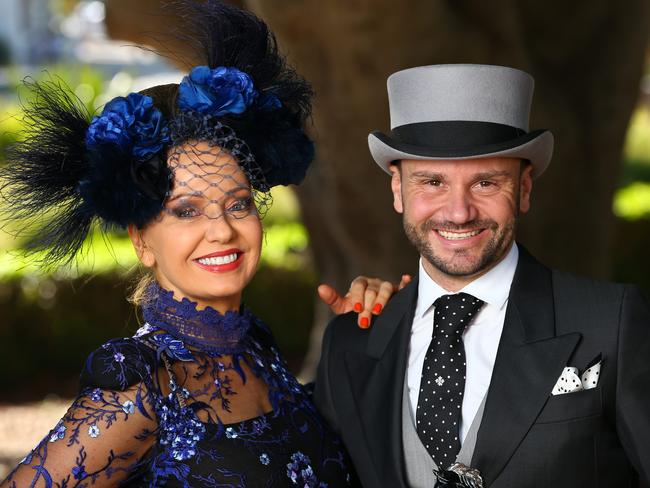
(200, 396)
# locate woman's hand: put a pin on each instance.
(366, 296)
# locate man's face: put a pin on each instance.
(461, 215)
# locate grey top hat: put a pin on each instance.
(461, 111)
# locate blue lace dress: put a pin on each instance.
(194, 399)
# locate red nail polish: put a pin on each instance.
(364, 322)
(377, 308)
(358, 307)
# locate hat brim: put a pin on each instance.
(535, 146)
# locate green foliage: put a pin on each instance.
(632, 201)
(86, 82)
(100, 255)
(285, 245)
(10, 127)
(637, 141)
(285, 208)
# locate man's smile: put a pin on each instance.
(455, 235)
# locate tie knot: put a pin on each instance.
(455, 312)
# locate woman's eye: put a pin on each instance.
(240, 206)
(185, 212)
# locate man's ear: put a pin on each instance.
(396, 187)
(143, 252)
(525, 188)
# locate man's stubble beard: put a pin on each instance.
(492, 252)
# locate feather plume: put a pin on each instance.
(39, 182)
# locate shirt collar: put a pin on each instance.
(493, 287)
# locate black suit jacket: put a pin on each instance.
(528, 438)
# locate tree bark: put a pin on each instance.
(586, 57)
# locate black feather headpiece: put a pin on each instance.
(273, 128)
(71, 170)
(64, 175)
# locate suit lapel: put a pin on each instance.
(377, 380)
(529, 360)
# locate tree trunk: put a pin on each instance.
(586, 57)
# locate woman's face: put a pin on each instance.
(206, 244)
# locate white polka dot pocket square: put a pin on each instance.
(571, 380)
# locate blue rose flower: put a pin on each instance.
(131, 123)
(218, 91)
(193, 92)
(109, 128)
(148, 131)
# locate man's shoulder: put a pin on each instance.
(596, 298)
(343, 329)
(567, 285)
(566, 282)
(344, 332)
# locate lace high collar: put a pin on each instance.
(206, 330)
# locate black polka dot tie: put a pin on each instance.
(443, 378)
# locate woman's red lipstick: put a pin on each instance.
(221, 261)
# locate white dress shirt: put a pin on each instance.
(481, 337)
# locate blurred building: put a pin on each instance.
(37, 34)
(25, 34)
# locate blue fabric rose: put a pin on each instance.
(131, 123)
(148, 131)
(219, 91)
(109, 128)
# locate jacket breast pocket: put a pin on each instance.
(571, 406)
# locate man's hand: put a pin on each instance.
(366, 296)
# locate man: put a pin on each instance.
(533, 377)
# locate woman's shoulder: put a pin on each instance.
(119, 363)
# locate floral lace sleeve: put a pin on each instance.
(105, 432)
